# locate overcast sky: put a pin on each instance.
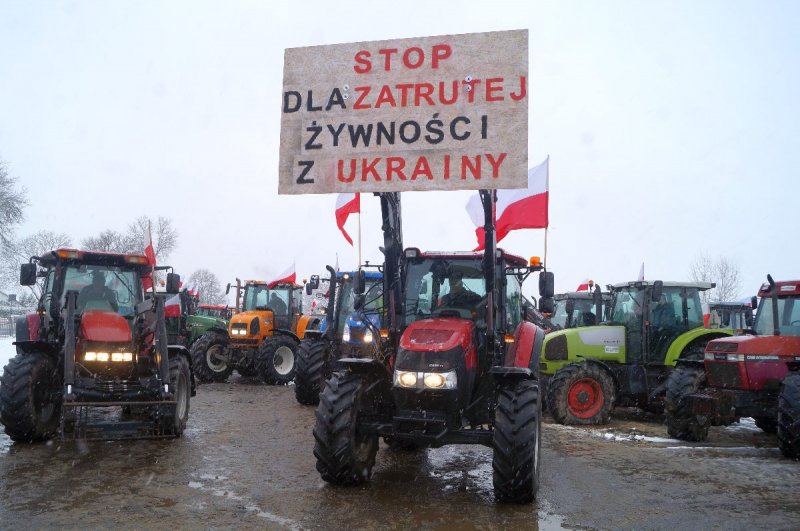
(672, 130)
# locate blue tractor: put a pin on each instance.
(346, 333)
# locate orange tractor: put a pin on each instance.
(261, 340)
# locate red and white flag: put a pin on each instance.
(172, 307)
(288, 276)
(524, 208)
(150, 253)
(583, 286)
(347, 204)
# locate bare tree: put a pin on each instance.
(165, 238)
(723, 272)
(108, 241)
(20, 251)
(12, 203)
(207, 286)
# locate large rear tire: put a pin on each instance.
(210, 357)
(180, 385)
(29, 408)
(517, 438)
(581, 393)
(681, 422)
(789, 416)
(344, 456)
(276, 360)
(310, 371)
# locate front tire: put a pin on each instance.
(180, 386)
(789, 416)
(344, 456)
(29, 410)
(681, 422)
(517, 440)
(581, 393)
(210, 357)
(275, 360)
(310, 371)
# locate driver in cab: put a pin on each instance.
(459, 296)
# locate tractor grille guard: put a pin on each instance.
(79, 422)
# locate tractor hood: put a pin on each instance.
(750, 362)
(605, 342)
(105, 327)
(438, 334)
(762, 346)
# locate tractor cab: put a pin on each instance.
(738, 316)
(579, 308)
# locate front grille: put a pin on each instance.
(116, 386)
(724, 374)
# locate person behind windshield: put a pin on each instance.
(458, 294)
(97, 292)
(277, 305)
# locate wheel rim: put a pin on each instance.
(585, 398)
(216, 359)
(283, 360)
(181, 397)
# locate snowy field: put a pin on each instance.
(7, 350)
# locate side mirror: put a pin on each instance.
(570, 306)
(597, 296)
(754, 303)
(658, 288)
(173, 283)
(547, 284)
(228, 288)
(748, 318)
(546, 304)
(358, 301)
(314, 282)
(309, 289)
(361, 282)
(27, 274)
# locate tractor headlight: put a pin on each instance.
(426, 380)
(346, 333)
(368, 338)
(100, 356)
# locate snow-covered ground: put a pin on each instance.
(7, 350)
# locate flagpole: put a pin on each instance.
(545, 248)
(152, 267)
(359, 236)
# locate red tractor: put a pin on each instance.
(754, 375)
(458, 364)
(95, 342)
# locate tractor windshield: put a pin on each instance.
(582, 315)
(788, 316)
(627, 305)
(442, 287)
(100, 288)
(373, 301)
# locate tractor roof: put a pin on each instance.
(512, 259)
(729, 305)
(213, 307)
(76, 256)
(786, 288)
(701, 286)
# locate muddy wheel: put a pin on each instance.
(517, 437)
(275, 360)
(681, 423)
(767, 424)
(581, 393)
(210, 357)
(789, 416)
(344, 456)
(180, 386)
(30, 405)
(310, 372)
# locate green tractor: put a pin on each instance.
(185, 324)
(625, 361)
(578, 308)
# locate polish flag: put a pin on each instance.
(150, 253)
(346, 204)
(288, 276)
(524, 208)
(172, 307)
(583, 286)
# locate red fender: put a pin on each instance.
(33, 326)
(520, 351)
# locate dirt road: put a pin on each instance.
(246, 461)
